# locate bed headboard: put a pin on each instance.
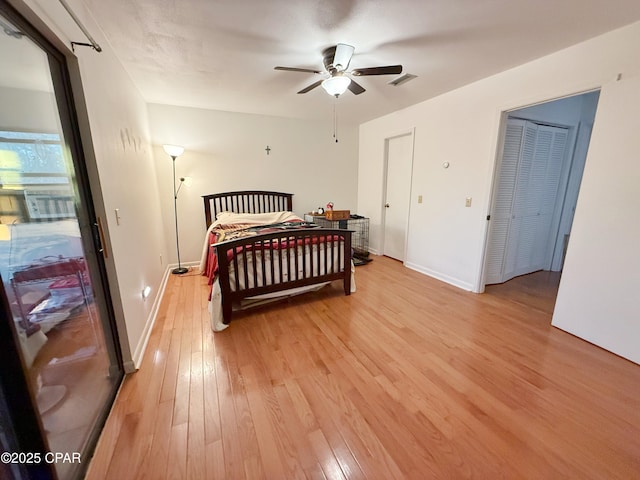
(249, 201)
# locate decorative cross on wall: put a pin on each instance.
(267, 149)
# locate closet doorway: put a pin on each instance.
(536, 186)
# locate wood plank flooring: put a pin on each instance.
(407, 378)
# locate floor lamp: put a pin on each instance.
(174, 151)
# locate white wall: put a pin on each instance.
(225, 151)
(120, 159)
(598, 298)
(446, 240)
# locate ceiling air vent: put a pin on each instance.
(402, 79)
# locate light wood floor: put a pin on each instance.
(407, 378)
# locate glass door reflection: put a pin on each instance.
(57, 299)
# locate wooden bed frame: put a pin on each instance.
(297, 271)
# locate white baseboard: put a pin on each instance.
(437, 275)
(151, 320)
(440, 276)
(183, 264)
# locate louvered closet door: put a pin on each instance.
(519, 243)
(521, 231)
(546, 184)
(503, 201)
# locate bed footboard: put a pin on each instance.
(280, 261)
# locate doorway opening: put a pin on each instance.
(536, 185)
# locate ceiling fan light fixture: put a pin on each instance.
(336, 85)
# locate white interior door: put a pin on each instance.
(397, 195)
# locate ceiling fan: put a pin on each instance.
(336, 61)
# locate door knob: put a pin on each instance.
(386, 205)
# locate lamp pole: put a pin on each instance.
(174, 151)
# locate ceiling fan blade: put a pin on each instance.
(356, 88)
(388, 70)
(311, 87)
(343, 56)
(294, 69)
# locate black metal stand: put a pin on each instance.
(180, 270)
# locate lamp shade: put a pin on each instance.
(173, 150)
(336, 85)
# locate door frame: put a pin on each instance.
(403, 133)
(565, 177)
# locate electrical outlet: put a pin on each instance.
(467, 202)
(419, 198)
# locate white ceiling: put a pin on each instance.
(220, 54)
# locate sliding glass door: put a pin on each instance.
(52, 270)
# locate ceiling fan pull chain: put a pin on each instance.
(335, 120)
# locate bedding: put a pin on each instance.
(265, 252)
(230, 225)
